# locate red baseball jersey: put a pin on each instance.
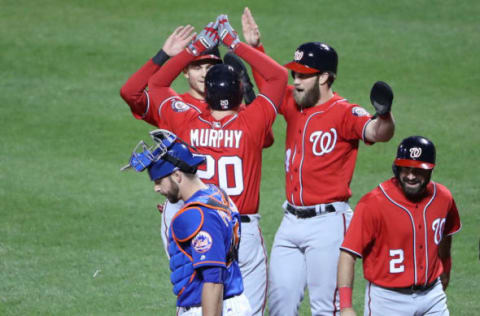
(136, 95)
(398, 239)
(233, 145)
(321, 147)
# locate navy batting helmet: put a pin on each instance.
(415, 152)
(167, 155)
(212, 55)
(314, 57)
(223, 89)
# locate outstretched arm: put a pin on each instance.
(251, 34)
(381, 128)
(273, 74)
(345, 276)
(207, 38)
(133, 91)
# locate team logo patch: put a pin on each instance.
(202, 242)
(298, 55)
(359, 111)
(323, 142)
(179, 106)
(415, 152)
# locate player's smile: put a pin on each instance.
(414, 181)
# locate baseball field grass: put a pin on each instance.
(78, 237)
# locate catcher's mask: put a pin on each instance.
(168, 154)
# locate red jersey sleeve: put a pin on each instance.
(363, 228)
(453, 223)
(164, 101)
(355, 120)
(135, 94)
(260, 81)
(256, 75)
(274, 75)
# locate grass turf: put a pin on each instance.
(79, 237)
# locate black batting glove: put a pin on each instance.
(381, 97)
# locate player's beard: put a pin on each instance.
(307, 98)
(417, 192)
(172, 194)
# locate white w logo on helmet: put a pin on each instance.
(415, 152)
(298, 55)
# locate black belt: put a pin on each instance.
(187, 308)
(307, 212)
(245, 219)
(413, 288)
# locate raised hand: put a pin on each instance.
(381, 97)
(207, 39)
(178, 40)
(227, 34)
(251, 33)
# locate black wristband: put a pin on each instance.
(160, 58)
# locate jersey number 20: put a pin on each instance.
(220, 167)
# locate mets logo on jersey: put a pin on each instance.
(323, 142)
(202, 242)
(415, 152)
(179, 106)
(359, 111)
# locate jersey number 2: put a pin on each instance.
(396, 263)
(220, 167)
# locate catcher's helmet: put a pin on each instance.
(415, 152)
(167, 155)
(223, 90)
(314, 57)
(212, 55)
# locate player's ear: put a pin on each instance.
(323, 78)
(177, 176)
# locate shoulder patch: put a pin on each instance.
(187, 223)
(179, 106)
(202, 242)
(359, 111)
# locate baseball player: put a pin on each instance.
(231, 139)
(136, 95)
(204, 235)
(323, 134)
(403, 232)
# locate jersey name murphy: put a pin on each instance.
(216, 138)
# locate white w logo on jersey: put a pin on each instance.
(438, 226)
(323, 142)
